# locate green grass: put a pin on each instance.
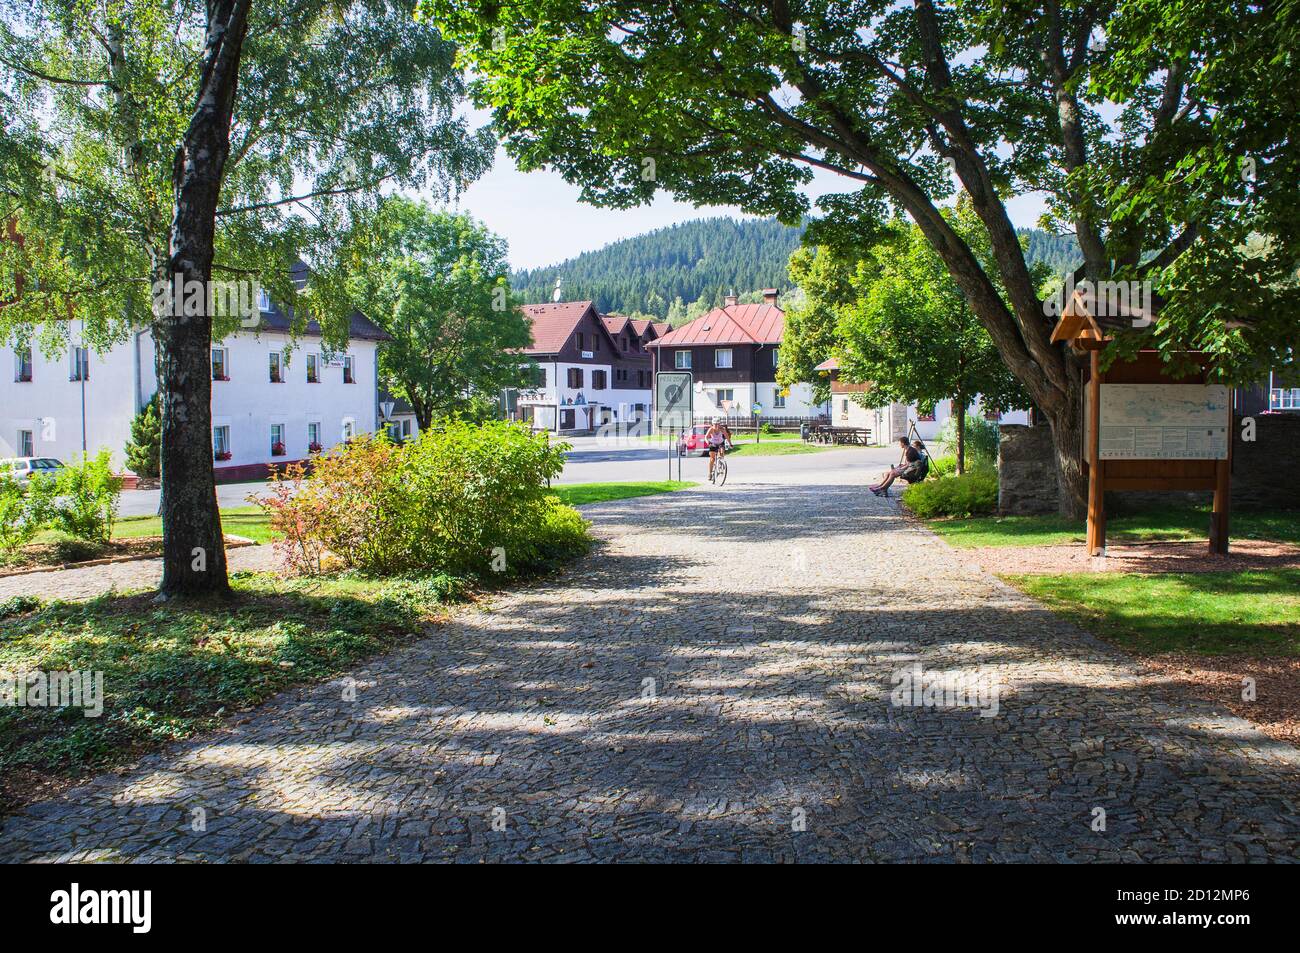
(169, 672)
(250, 522)
(1219, 613)
(774, 447)
(580, 494)
(1166, 523)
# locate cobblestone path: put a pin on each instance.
(715, 677)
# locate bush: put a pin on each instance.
(87, 498)
(981, 440)
(144, 449)
(23, 513)
(19, 605)
(462, 500)
(974, 493)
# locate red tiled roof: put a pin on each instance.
(735, 324)
(615, 322)
(830, 364)
(639, 325)
(661, 327)
(552, 324)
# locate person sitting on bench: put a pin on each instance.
(908, 464)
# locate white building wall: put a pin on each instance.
(122, 379)
(558, 395)
(798, 403)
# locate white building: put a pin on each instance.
(592, 369)
(274, 400)
(851, 406)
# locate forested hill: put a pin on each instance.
(678, 272)
(670, 268)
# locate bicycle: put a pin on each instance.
(718, 475)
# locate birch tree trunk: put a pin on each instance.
(194, 556)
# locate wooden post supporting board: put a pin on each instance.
(1096, 483)
(1222, 501)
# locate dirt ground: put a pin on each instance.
(1168, 557)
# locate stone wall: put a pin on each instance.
(1265, 471)
(1026, 470)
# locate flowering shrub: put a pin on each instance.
(464, 499)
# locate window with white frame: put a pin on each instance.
(263, 300)
(725, 395)
(722, 357)
(778, 400)
(313, 436)
(26, 444)
(682, 360)
(277, 369)
(349, 430)
(23, 364)
(80, 364)
(221, 443)
(277, 440)
(313, 368)
(220, 364)
(348, 377)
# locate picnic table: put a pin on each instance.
(860, 436)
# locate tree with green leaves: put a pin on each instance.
(144, 449)
(905, 327)
(737, 102)
(436, 282)
(825, 278)
(150, 145)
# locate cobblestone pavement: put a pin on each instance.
(717, 675)
(91, 581)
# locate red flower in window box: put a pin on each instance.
(220, 377)
(24, 378)
(276, 378)
(221, 455)
(314, 447)
(277, 449)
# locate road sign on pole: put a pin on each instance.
(674, 401)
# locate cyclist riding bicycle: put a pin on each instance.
(718, 437)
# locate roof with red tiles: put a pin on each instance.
(734, 324)
(830, 364)
(552, 324)
(615, 322)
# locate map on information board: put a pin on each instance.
(1165, 421)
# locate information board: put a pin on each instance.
(1165, 421)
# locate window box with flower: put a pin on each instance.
(314, 447)
(277, 449)
(221, 455)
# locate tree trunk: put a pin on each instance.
(194, 555)
(1067, 437)
(959, 408)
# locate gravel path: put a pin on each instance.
(91, 581)
(714, 684)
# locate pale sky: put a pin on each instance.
(539, 214)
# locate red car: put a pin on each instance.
(692, 441)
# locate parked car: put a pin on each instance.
(692, 441)
(22, 468)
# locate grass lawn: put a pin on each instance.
(774, 447)
(247, 521)
(1218, 613)
(579, 494)
(1166, 523)
(169, 672)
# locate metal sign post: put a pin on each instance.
(674, 408)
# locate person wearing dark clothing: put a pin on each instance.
(907, 463)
